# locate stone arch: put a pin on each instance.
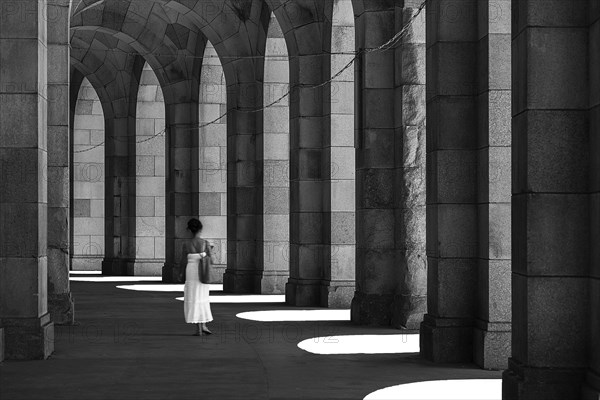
(116, 74)
(316, 223)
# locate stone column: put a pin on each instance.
(276, 159)
(60, 302)
(29, 332)
(308, 129)
(390, 267)
(244, 182)
(592, 389)
(120, 166)
(468, 222)
(376, 272)
(337, 286)
(410, 298)
(493, 318)
(119, 200)
(452, 230)
(555, 202)
(182, 176)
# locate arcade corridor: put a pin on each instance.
(131, 344)
(427, 170)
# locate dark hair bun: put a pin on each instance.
(194, 225)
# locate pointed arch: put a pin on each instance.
(341, 258)
(88, 180)
(276, 158)
(212, 165)
(150, 176)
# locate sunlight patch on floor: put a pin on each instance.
(241, 298)
(296, 315)
(115, 279)
(164, 288)
(362, 344)
(465, 389)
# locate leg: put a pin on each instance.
(198, 330)
(205, 329)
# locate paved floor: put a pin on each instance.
(135, 345)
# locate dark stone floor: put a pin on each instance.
(135, 345)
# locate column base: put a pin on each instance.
(408, 311)
(372, 309)
(1, 344)
(145, 267)
(337, 294)
(491, 345)
(591, 390)
(81, 263)
(273, 282)
(28, 338)
(61, 308)
(446, 340)
(243, 282)
(114, 267)
(217, 273)
(303, 293)
(521, 382)
(170, 273)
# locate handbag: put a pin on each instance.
(205, 267)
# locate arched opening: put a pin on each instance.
(149, 176)
(342, 161)
(88, 181)
(212, 163)
(276, 158)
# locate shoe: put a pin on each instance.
(206, 331)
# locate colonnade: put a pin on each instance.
(468, 209)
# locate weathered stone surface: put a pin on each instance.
(61, 307)
(28, 338)
(371, 309)
(1, 344)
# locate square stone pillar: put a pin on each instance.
(60, 302)
(182, 176)
(468, 164)
(592, 388)
(308, 218)
(29, 333)
(493, 317)
(120, 186)
(410, 299)
(339, 269)
(1, 344)
(244, 185)
(390, 162)
(375, 142)
(556, 147)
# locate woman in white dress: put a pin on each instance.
(196, 305)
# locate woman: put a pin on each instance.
(196, 306)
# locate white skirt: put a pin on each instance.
(196, 305)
